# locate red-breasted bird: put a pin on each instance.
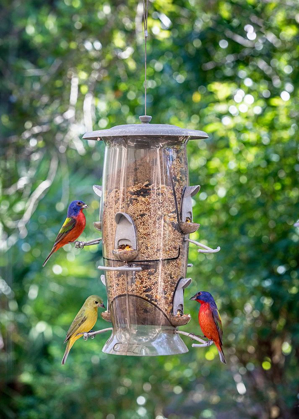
(209, 320)
(72, 227)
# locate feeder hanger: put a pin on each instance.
(145, 16)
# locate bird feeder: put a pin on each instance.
(145, 219)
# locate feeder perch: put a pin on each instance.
(186, 224)
(125, 238)
(121, 268)
(203, 248)
(81, 245)
(144, 198)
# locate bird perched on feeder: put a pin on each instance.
(83, 322)
(209, 320)
(72, 227)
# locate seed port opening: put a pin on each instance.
(178, 298)
(125, 238)
(180, 310)
(186, 225)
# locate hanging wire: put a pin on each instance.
(145, 16)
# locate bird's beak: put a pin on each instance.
(102, 305)
(194, 297)
(84, 206)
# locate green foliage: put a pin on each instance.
(226, 67)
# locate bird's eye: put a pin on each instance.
(96, 302)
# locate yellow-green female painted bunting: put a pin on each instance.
(83, 322)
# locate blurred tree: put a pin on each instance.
(227, 67)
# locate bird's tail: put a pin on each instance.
(221, 354)
(49, 255)
(67, 351)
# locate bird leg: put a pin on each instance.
(91, 334)
(80, 245)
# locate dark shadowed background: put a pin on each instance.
(228, 67)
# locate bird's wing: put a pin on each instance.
(218, 322)
(67, 226)
(77, 322)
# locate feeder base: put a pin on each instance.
(145, 341)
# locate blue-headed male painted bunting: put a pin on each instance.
(72, 227)
(209, 320)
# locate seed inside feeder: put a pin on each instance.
(125, 247)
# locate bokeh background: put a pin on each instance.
(228, 67)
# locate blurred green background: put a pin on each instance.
(228, 67)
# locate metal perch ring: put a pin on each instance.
(87, 335)
(80, 245)
(203, 343)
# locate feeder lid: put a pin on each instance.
(145, 129)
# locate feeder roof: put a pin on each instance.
(145, 130)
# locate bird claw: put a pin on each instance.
(79, 245)
(85, 336)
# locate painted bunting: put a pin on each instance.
(209, 320)
(72, 227)
(83, 322)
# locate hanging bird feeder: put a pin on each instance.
(145, 219)
(145, 208)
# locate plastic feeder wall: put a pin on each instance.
(144, 251)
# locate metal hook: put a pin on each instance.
(203, 343)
